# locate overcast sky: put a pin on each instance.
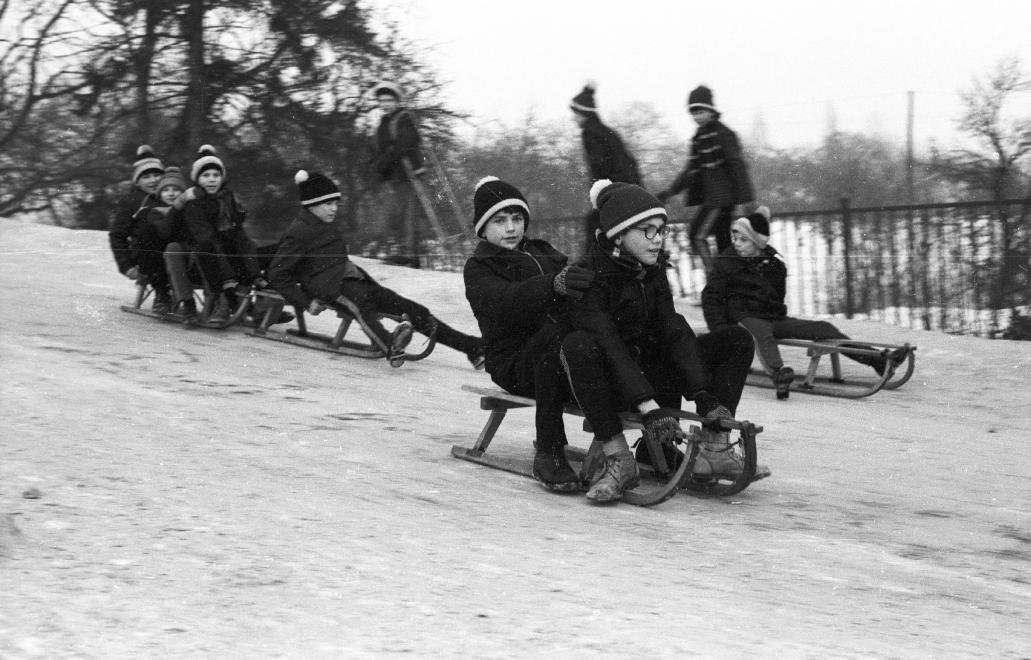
(787, 61)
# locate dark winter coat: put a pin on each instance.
(128, 213)
(512, 295)
(745, 287)
(311, 261)
(204, 215)
(715, 175)
(607, 157)
(629, 311)
(397, 138)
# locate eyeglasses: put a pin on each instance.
(651, 231)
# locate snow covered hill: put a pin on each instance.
(171, 492)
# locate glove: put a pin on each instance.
(711, 411)
(572, 281)
(662, 424)
(133, 273)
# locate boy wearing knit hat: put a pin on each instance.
(397, 140)
(312, 271)
(136, 244)
(650, 358)
(607, 157)
(213, 219)
(715, 177)
(517, 288)
(746, 288)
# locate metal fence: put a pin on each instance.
(959, 268)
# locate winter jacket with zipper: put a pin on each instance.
(204, 215)
(397, 137)
(629, 311)
(715, 175)
(745, 287)
(607, 157)
(129, 212)
(512, 295)
(311, 261)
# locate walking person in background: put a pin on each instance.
(607, 157)
(715, 177)
(399, 158)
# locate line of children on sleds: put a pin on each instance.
(602, 333)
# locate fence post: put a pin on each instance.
(846, 230)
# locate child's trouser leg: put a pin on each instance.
(762, 331)
(727, 356)
(584, 364)
(363, 295)
(177, 263)
(388, 301)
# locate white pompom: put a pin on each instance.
(596, 188)
(301, 176)
(764, 211)
(590, 84)
(486, 179)
(206, 148)
(144, 150)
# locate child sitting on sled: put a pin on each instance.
(135, 242)
(517, 287)
(631, 350)
(213, 218)
(312, 271)
(747, 286)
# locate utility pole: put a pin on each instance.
(909, 146)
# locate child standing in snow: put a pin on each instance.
(631, 350)
(747, 286)
(397, 141)
(135, 242)
(517, 287)
(716, 178)
(312, 271)
(213, 218)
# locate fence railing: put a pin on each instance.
(961, 267)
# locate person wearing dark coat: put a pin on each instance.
(607, 157)
(715, 177)
(312, 271)
(397, 141)
(136, 243)
(647, 357)
(746, 288)
(516, 287)
(213, 219)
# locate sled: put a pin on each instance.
(446, 238)
(206, 308)
(658, 483)
(369, 347)
(901, 361)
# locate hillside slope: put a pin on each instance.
(211, 494)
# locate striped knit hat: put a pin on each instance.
(700, 98)
(145, 162)
(206, 159)
(315, 188)
(622, 205)
(492, 195)
(756, 226)
(583, 103)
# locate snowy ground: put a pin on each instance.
(169, 492)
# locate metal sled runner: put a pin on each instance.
(658, 483)
(900, 363)
(370, 347)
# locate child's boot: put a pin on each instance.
(552, 469)
(782, 379)
(714, 455)
(399, 341)
(620, 472)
